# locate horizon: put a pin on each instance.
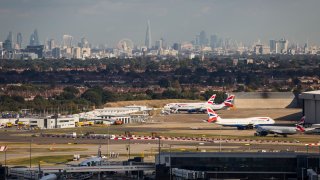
(175, 21)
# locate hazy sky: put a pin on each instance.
(108, 21)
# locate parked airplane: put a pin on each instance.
(278, 130)
(175, 107)
(201, 107)
(240, 123)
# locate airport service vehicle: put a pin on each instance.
(239, 123)
(201, 107)
(278, 130)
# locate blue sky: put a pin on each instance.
(108, 21)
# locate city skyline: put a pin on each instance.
(107, 22)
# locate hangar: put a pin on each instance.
(311, 106)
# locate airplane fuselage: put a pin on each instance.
(245, 122)
(281, 130)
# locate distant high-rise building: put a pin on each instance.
(148, 42)
(282, 46)
(10, 38)
(34, 39)
(19, 40)
(51, 44)
(7, 45)
(67, 41)
(279, 47)
(36, 49)
(84, 43)
(177, 46)
(214, 41)
(56, 52)
(273, 46)
(203, 40)
(159, 44)
(306, 48)
(76, 52)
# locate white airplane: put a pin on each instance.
(187, 106)
(313, 129)
(278, 130)
(201, 107)
(240, 123)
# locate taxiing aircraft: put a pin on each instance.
(278, 130)
(240, 123)
(313, 129)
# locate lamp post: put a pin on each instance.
(5, 155)
(129, 150)
(108, 141)
(159, 149)
(220, 140)
(170, 162)
(30, 152)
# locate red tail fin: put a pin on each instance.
(213, 116)
(302, 120)
(229, 101)
(300, 128)
(211, 99)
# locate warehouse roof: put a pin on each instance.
(315, 95)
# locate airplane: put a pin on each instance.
(201, 107)
(175, 107)
(313, 129)
(278, 130)
(240, 123)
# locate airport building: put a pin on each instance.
(200, 165)
(42, 123)
(311, 106)
(126, 114)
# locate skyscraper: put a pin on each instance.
(203, 40)
(279, 47)
(67, 41)
(214, 41)
(19, 40)
(34, 39)
(148, 36)
(159, 44)
(10, 38)
(84, 43)
(51, 44)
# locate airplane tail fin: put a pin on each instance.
(300, 128)
(229, 101)
(213, 116)
(302, 120)
(211, 99)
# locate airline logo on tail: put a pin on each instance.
(211, 100)
(213, 116)
(300, 128)
(302, 120)
(229, 101)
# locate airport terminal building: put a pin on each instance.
(311, 106)
(226, 165)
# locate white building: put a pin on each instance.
(44, 122)
(116, 113)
